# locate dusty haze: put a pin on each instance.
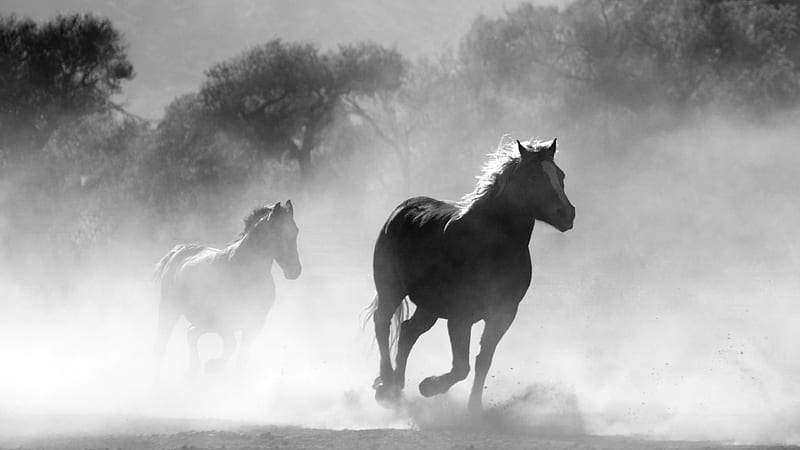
(668, 311)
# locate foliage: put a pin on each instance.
(65, 68)
(191, 155)
(642, 53)
(283, 96)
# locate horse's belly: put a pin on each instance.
(224, 307)
(468, 298)
(229, 314)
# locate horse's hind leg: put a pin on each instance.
(167, 316)
(192, 338)
(249, 333)
(385, 390)
(459, 331)
(410, 331)
(228, 347)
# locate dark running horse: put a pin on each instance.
(228, 290)
(464, 262)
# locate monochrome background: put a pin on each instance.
(668, 312)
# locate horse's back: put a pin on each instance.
(182, 267)
(169, 263)
(445, 265)
(418, 217)
(413, 227)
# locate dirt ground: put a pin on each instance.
(69, 433)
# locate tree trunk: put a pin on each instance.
(304, 151)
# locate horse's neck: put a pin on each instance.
(244, 251)
(502, 213)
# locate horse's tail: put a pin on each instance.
(400, 315)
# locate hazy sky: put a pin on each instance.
(173, 41)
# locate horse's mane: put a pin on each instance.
(496, 172)
(254, 216)
(249, 222)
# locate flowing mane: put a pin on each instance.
(250, 221)
(496, 172)
(255, 216)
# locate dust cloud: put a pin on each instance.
(668, 312)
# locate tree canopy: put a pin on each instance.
(64, 68)
(284, 95)
(639, 53)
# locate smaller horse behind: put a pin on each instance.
(229, 290)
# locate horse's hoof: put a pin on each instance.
(429, 387)
(387, 395)
(475, 409)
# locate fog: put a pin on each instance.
(667, 312)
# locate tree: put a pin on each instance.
(636, 54)
(63, 69)
(283, 96)
(523, 50)
(96, 151)
(434, 108)
(192, 155)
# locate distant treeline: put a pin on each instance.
(292, 116)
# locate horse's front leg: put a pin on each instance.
(459, 331)
(245, 342)
(496, 327)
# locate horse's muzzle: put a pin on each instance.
(565, 218)
(293, 273)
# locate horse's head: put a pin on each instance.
(541, 184)
(278, 231)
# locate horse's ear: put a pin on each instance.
(276, 211)
(550, 150)
(289, 207)
(521, 148)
